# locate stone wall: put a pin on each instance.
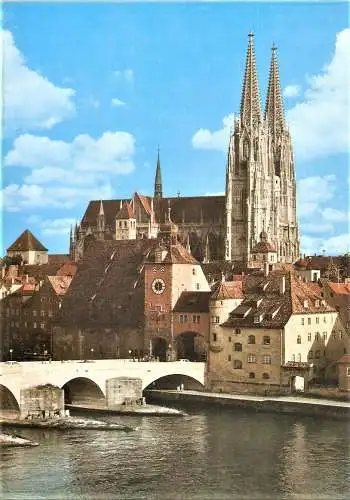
(42, 402)
(123, 390)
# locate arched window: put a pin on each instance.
(265, 375)
(237, 364)
(299, 339)
(238, 347)
(251, 339)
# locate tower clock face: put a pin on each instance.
(158, 286)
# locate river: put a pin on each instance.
(211, 453)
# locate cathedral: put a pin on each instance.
(259, 205)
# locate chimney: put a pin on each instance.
(282, 285)
(266, 269)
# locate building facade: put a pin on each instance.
(260, 191)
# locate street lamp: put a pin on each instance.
(92, 352)
(11, 351)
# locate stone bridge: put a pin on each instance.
(88, 380)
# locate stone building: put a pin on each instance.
(260, 191)
(29, 248)
(274, 339)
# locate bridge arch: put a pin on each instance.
(8, 401)
(172, 381)
(83, 390)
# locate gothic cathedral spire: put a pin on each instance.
(274, 114)
(250, 101)
(158, 191)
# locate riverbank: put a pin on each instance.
(284, 404)
(146, 410)
(7, 440)
(65, 423)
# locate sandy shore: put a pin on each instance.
(65, 423)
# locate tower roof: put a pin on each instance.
(158, 191)
(274, 113)
(25, 242)
(250, 101)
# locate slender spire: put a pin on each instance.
(158, 191)
(250, 101)
(274, 114)
(101, 211)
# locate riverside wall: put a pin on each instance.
(287, 405)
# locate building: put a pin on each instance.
(260, 195)
(29, 249)
(274, 339)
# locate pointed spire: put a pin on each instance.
(158, 191)
(101, 211)
(274, 113)
(250, 101)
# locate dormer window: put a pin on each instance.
(257, 318)
(306, 304)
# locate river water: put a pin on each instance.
(211, 453)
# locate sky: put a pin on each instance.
(91, 90)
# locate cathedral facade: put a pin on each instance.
(259, 200)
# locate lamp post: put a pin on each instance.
(92, 352)
(11, 351)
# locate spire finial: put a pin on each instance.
(158, 191)
(250, 100)
(274, 113)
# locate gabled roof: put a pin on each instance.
(60, 284)
(126, 212)
(145, 202)
(177, 254)
(193, 302)
(224, 290)
(307, 298)
(25, 242)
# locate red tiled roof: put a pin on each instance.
(227, 290)
(126, 212)
(25, 242)
(340, 288)
(307, 293)
(146, 202)
(110, 208)
(67, 269)
(193, 302)
(58, 258)
(177, 254)
(263, 247)
(60, 284)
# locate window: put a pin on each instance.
(237, 331)
(214, 337)
(238, 347)
(229, 339)
(237, 364)
(309, 336)
(317, 354)
(302, 321)
(34, 312)
(251, 358)
(267, 359)
(125, 224)
(309, 321)
(215, 319)
(196, 318)
(34, 324)
(50, 313)
(251, 375)
(299, 357)
(266, 340)
(42, 326)
(251, 339)
(324, 319)
(317, 320)
(194, 271)
(324, 336)
(311, 355)
(299, 339)
(265, 376)
(348, 371)
(198, 286)
(293, 357)
(229, 357)
(317, 336)
(42, 313)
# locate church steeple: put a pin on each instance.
(274, 114)
(158, 191)
(250, 101)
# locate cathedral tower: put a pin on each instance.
(158, 191)
(260, 178)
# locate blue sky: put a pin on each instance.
(90, 90)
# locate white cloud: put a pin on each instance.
(312, 192)
(17, 198)
(205, 139)
(320, 123)
(56, 226)
(112, 152)
(316, 228)
(336, 245)
(219, 193)
(117, 102)
(334, 215)
(125, 74)
(291, 91)
(31, 101)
